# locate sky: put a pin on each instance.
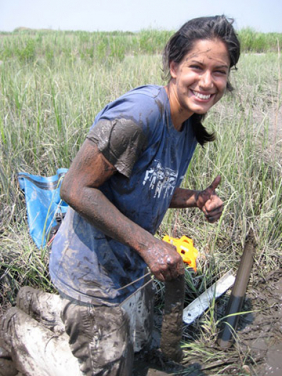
(134, 15)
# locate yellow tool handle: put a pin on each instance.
(185, 247)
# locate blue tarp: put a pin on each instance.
(43, 203)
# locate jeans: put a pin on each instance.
(49, 335)
(104, 338)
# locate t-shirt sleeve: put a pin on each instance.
(120, 141)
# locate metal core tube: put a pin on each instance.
(225, 338)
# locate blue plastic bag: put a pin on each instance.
(43, 203)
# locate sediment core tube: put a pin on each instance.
(225, 337)
(172, 319)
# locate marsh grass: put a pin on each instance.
(253, 41)
(52, 85)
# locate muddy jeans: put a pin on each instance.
(102, 339)
(33, 337)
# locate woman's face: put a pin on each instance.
(200, 79)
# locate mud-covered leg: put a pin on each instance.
(42, 306)
(34, 349)
(99, 337)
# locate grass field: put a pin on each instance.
(52, 86)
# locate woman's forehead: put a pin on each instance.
(213, 49)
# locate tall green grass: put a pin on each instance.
(254, 41)
(102, 47)
(106, 47)
(52, 84)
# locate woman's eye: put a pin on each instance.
(195, 67)
(221, 72)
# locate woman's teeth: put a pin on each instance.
(201, 96)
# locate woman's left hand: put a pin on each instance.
(209, 202)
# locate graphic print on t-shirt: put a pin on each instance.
(160, 179)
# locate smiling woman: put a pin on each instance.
(105, 253)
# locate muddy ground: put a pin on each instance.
(257, 352)
(258, 346)
(262, 331)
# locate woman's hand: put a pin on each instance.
(163, 260)
(209, 202)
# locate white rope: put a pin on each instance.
(139, 289)
(136, 280)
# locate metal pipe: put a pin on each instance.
(172, 319)
(226, 337)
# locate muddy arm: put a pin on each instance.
(184, 198)
(88, 172)
(207, 200)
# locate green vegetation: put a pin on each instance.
(259, 42)
(29, 45)
(52, 86)
(32, 45)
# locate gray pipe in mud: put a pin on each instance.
(225, 337)
(172, 319)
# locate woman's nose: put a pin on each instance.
(206, 81)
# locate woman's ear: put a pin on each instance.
(173, 68)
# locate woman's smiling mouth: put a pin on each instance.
(201, 96)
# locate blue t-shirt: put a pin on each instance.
(135, 133)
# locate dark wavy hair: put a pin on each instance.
(182, 42)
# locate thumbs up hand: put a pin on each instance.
(208, 201)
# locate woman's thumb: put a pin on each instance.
(215, 183)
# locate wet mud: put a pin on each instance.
(259, 338)
(155, 363)
(259, 331)
(262, 331)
